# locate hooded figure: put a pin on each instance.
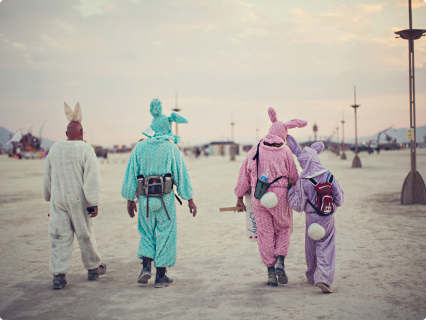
(71, 184)
(157, 155)
(272, 212)
(320, 229)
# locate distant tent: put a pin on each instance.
(16, 137)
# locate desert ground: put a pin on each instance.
(380, 251)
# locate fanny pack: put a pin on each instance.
(261, 186)
(155, 186)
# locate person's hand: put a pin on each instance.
(291, 182)
(131, 208)
(94, 213)
(192, 207)
(240, 203)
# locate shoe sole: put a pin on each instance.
(282, 277)
(144, 279)
(272, 284)
(59, 287)
(324, 288)
(162, 285)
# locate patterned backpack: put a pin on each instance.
(324, 196)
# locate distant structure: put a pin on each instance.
(356, 162)
(232, 140)
(315, 130)
(343, 155)
(413, 189)
(337, 140)
(176, 109)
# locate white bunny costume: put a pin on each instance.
(71, 183)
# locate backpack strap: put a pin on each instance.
(330, 178)
(313, 181)
(256, 157)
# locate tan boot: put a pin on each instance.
(93, 274)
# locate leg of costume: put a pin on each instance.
(320, 255)
(158, 233)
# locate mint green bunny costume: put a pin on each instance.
(158, 155)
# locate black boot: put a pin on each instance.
(279, 270)
(146, 270)
(59, 281)
(272, 278)
(161, 280)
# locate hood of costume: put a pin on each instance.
(161, 125)
(308, 158)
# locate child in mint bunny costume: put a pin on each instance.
(156, 156)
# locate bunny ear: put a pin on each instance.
(69, 113)
(293, 145)
(295, 123)
(272, 115)
(318, 147)
(155, 107)
(174, 117)
(77, 112)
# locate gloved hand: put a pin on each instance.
(131, 208)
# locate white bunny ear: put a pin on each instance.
(69, 113)
(78, 113)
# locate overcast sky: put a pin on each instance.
(224, 57)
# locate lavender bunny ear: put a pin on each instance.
(293, 145)
(318, 147)
(174, 117)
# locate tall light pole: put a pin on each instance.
(315, 130)
(356, 162)
(413, 188)
(343, 156)
(337, 140)
(232, 140)
(176, 109)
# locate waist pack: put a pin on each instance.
(261, 186)
(155, 186)
(324, 196)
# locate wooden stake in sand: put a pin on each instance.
(230, 209)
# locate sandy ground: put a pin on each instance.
(380, 251)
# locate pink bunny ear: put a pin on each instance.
(295, 123)
(272, 115)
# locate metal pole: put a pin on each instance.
(343, 156)
(176, 109)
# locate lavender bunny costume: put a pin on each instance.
(320, 254)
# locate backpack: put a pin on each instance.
(324, 196)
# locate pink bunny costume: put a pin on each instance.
(274, 223)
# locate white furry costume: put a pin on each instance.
(71, 183)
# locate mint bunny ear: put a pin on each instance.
(174, 117)
(69, 113)
(78, 113)
(155, 107)
(293, 145)
(318, 147)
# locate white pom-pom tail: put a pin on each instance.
(316, 232)
(269, 200)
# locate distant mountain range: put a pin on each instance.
(5, 137)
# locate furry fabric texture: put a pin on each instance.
(279, 128)
(157, 156)
(71, 183)
(75, 115)
(269, 200)
(316, 232)
(319, 251)
(273, 224)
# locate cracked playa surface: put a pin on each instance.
(380, 251)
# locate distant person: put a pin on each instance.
(312, 194)
(154, 166)
(270, 163)
(106, 156)
(71, 183)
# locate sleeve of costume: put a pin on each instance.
(297, 197)
(91, 178)
(292, 166)
(338, 194)
(181, 176)
(243, 182)
(47, 179)
(130, 181)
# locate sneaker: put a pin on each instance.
(161, 280)
(280, 270)
(324, 288)
(272, 278)
(94, 274)
(59, 281)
